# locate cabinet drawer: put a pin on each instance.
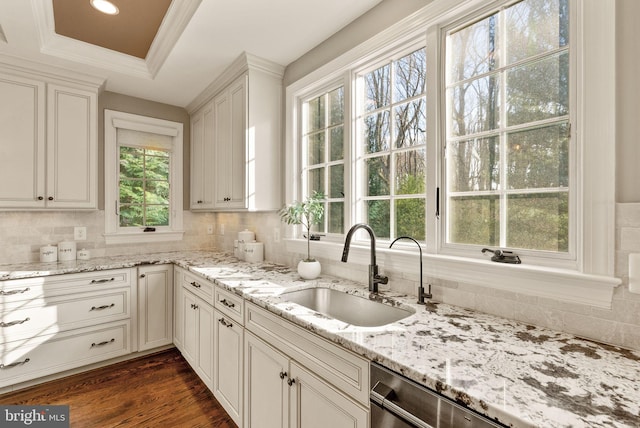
(198, 286)
(338, 366)
(21, 321)
(47, 354)
(229, 304)
(41, 288)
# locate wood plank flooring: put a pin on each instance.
(159, 390)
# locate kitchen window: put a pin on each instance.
(500, 135)
(143, 178)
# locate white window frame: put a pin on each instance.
(114, 234)
(590, 280)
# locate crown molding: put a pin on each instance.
(173, 24)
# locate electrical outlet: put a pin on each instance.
(276, 234)
(209, 229)
(221, 229)
(79, 233)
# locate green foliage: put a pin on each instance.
(306, 213)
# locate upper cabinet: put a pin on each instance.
(235, 153)
(49, 141)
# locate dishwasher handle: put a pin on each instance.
(381, 395)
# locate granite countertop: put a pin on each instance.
(518, 374)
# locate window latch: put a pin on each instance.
(503, 256)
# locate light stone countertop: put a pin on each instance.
(518, 374)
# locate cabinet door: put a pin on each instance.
(72, 148)
(22, 142)
(222, 136)
(266, 392)
(240, 136)
(178, 309)
(155, 306)
(316, 404)
(228, 365)
(202, 170)
(204, 365)
(190, 324)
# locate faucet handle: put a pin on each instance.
(382, 279)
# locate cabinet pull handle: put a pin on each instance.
(142, 275)
(106, 342)
(101, 281)
(17, 363)
(227, 304)
(9, 293)
(9, 324)
(40, 198)
(291, 381)
(225, 323)
(194, 306)
(283, 374)
(195, 284)
(99, 308)
(50, 198)
(198, 202)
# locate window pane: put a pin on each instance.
(474, 50)
(156, 192)
(131, 192)
(539, 221)
(316, 148)
(377, 173)
(157, 167)
(475, 220)
(131, 162)
(335, 213)
(475, 106)
(378, 217)
(410, 73)
(315, 119)
(535, 27)
(473, 165)
(316, 181)
(336, 181)
(410, 169)
(538, 90)
(376, 133)
(410, 218)
(157, 215)
(131, 215)
(377, 88)
(336, 143)
(336, 106)
(539, 158)
(410, 124)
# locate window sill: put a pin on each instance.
(560, 284)
(142, 237)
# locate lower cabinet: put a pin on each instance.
(280, 389)
(155, 306)
(228, 364)
(197, 344)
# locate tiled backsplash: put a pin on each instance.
(23, 233)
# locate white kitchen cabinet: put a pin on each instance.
(266, 392)
(228, 365)
(197, 345)
(326, 385)
(202, 167)
(155, 306)
(178, 317)
(246, 139)
(49, 143)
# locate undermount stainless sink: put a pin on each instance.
(347, 308)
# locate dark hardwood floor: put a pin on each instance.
(159, 390)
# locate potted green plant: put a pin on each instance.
(306, 213)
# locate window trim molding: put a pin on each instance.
(112, 121)
(592, 282)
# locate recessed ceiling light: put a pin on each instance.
(105, 6)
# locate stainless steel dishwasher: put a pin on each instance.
(397, 402)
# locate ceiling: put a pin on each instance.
(195, 40)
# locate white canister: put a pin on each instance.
(241, 246)
(49, 253)
(66, 251)
(254, 252)
(84, 254)
(246, 236)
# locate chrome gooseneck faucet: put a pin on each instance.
(421, 293)
(374, 277)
